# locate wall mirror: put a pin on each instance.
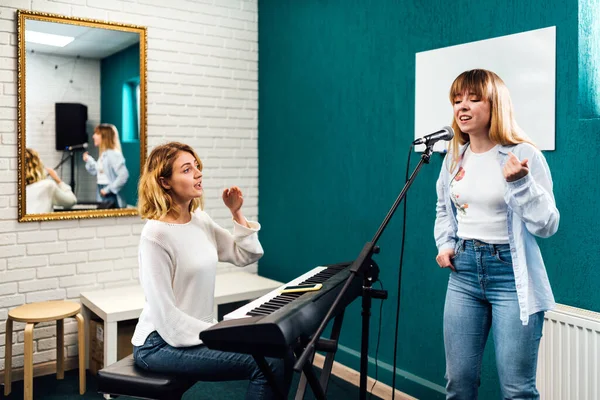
(81, 116)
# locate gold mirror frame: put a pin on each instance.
(24, 15)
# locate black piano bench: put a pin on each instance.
(124, 378)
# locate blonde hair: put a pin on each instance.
(110, 137)
(488, 86)
(154, 201)
(34, 168)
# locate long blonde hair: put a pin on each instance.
(154, 201)
(485, 84)
(110, 137)
(34, 168)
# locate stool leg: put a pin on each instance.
(28, 362)
(60, 349)
(8, 357)
(81, 338)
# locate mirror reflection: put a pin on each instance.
(110, 169)
(84, 117)
(43, 194)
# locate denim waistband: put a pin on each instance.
(474, 243)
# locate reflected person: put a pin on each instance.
(110, 169)
(43, 194)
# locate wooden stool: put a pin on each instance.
(32, 314)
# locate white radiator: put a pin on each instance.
(569, 357)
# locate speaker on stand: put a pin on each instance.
(71, 134)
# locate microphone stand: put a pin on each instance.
(364, 266)
(72, 171)
(72, 157)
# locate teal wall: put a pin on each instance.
(589, 59)
(336, 116)
(115, 71)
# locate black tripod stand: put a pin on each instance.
(364, 267)
(70, 156)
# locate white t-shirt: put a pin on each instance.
(477, 191)
(101, 175)
(178, 265)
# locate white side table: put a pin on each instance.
(126, 303)
(111, 306)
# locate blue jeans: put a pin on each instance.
(482, 295)
(110, 199)
(205, 364)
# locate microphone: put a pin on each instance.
(77, 147)
(446, 133)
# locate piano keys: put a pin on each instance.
(276, 322)
(252, 309)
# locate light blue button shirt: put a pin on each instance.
(114, 167)
(531, 212)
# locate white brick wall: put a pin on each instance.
(47, 85)
(202, 90)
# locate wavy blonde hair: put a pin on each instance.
(154, 201)
(34, 168)
(488, 86)
(110, 137)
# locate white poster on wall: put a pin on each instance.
(526, 62)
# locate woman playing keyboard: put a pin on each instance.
(180, 246)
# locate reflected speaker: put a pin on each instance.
(71, 119)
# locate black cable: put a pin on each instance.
(400, 278)
(378, 341)
(62, 159)
(76, 174)
(66, 89)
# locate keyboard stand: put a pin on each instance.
(264, 367)
(319, 386)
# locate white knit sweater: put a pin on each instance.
(42, 196)
(178, 264)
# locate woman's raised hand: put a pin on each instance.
(515, 169)
(233, 198)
